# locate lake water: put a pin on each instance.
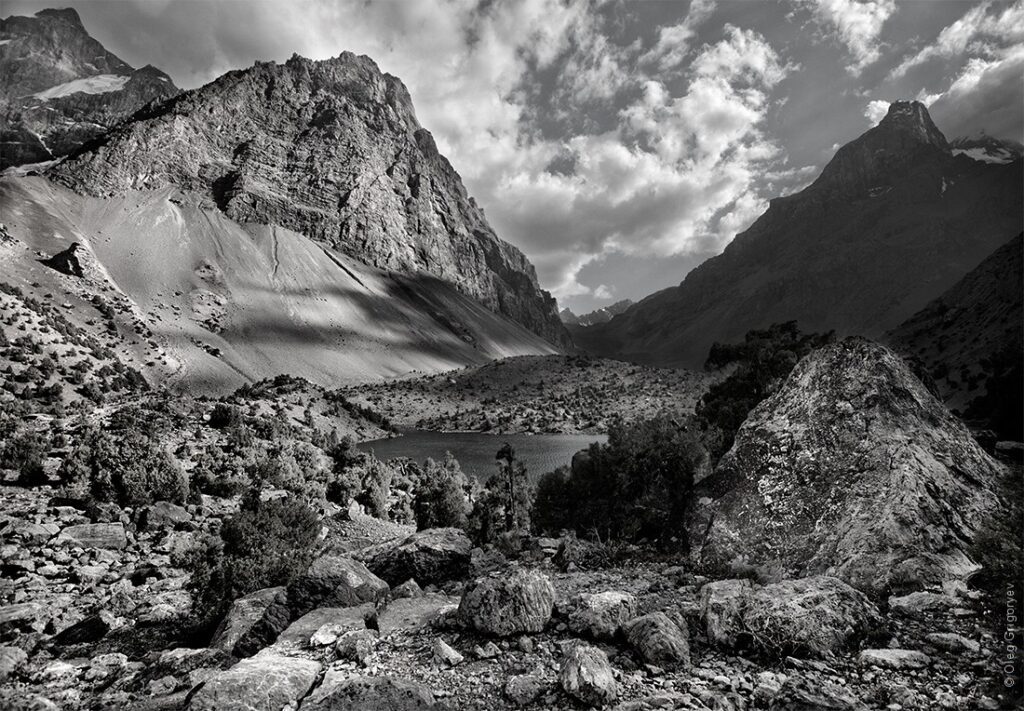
(475, 450)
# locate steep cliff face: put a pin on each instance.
(331, 150)
(894, 220)
(62, 88)
(853, 469)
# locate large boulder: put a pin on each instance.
(811, 617)
(94, 535)
(658, 640)
(266, 681)
(587, 676)
(336, 619)
(340, 692)
(852, 469)
(432, 556)
(334, 581)
(513, 603)
(601, 615)
(253, 622)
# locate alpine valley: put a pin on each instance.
(793, 482)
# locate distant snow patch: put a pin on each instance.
(99, 84)
(1000, 156)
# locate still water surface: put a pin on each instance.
(475, 450)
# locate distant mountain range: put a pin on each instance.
(285, 218)
(896, 218)
(600, 315)
(62, 88)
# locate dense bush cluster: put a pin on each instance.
(267, 543)
(637, 486)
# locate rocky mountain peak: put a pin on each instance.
(68, 15)
(63, 88)
(906, 139)
(987, 149)
(331, 149)
(911, 118)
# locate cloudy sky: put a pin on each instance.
(618, 143)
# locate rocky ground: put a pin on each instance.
(569, 394)
(92, 600)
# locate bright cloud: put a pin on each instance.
(974, 33)
(857, 24)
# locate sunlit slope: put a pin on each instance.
(228, 302)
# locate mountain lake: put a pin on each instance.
(475, 451)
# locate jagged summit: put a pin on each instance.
(331, 149)
(906, 138)
(894, 219)
(987, 149)
(62, 88)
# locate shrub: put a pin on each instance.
(24, 453)
(441, 495)
(267, 543)
(636, 486)
(504, 505)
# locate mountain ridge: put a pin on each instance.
(893, 220)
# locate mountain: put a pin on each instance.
(600, 315)
(851, 469)
(894, 220)
(331, 150)
(62, 88)
(288, 218)
(970, 340)
(987, 149)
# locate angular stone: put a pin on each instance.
(163, 514)
(356, 645)
(658, 640)
(524, 689)
(94, 535)
(512, 603)
(339, 692)
(334, 581)
(600, 615)
(12, 661)
(444, 655)
(806, 617)
(338, 619)
(894, 658)
(91, 629)
(266, 681)
(431, 557)
(413, 613)
(587, 676)
(410, 588)
(253, 622)
(918, 604)
(952, 642)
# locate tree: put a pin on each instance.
(441, 496)
(504, 505)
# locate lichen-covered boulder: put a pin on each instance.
(587, 676)
(658, 640)
(506, 604)
(334, 581)
(266, 681)
(600, 615)
(810, 617)
(852, 469)
(432, 556)
(341, 692)
(253, 622)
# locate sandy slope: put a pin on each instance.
(228, 302)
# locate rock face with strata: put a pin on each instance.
(854, 470)
(332, 150)
(62, 88)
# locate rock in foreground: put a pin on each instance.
(518, 602)
(853, 469)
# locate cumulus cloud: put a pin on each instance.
(876, 111)
(675, 41)
(981, 31)
(858, 25)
